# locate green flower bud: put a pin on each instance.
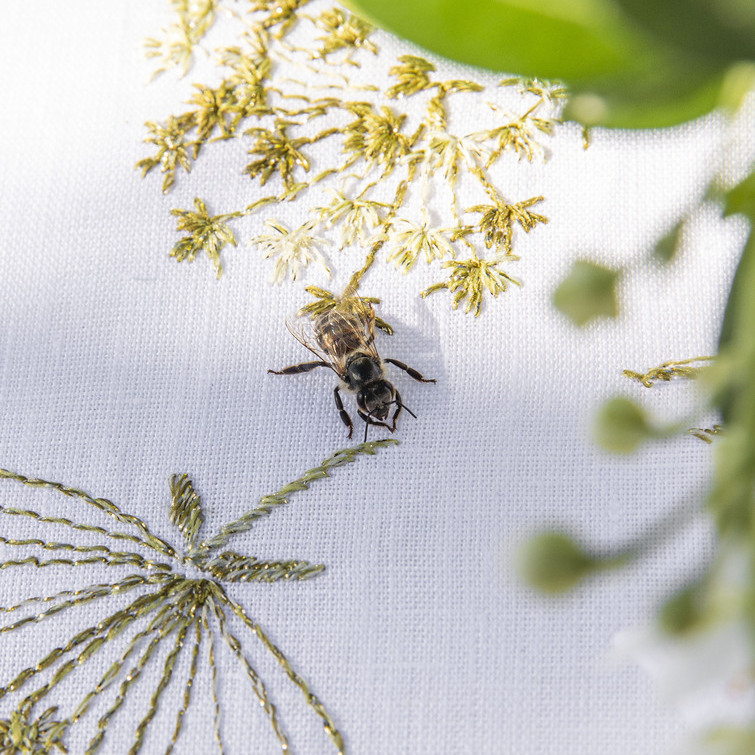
(552, 562)
(589, 291)
(621, 426)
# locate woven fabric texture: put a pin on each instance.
(120, 367)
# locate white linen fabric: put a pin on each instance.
(120, 367)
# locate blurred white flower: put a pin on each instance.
(294, 249)
(707, 673)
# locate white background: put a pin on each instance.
(120, 367)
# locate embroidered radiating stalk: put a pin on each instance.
(168, 666)
(214, 673)
(258, 685)
(102, 504)
(173, 623)
(73, 525)
(309, 696)
(270, 502)
(171, 604)
(110, 676)
(682, 368)
(188, 686)
(112, 557)
(80, 596)
(118, 620)
(95, 591)
(232, 567)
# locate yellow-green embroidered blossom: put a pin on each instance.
(376, 137)
(343, 32)
(277, 153)
(208, 235)
(171, 149)
(447, 152)
(176, 46)
(29, 736)
(357, 217)
(518, 135)
(294, 249)
(497, 221)
(470, 278)
(412, 76)
(215, 108)
(409, 240)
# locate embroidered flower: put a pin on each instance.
(447, 152)
(294, 249)
(409, 240)
(209, 234)
(470, 278)
(497, 221)
(357, 217)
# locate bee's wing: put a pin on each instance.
(302, 329)
(360, 316)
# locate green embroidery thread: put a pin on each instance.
(682, 368)
(174, 605)
(385, 152)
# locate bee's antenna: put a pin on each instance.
(366, 428)
(404, 406)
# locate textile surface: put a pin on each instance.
(120, 367)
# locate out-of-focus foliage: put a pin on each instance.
(627, 63)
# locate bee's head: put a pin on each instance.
(375, 399)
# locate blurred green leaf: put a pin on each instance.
(665, 250)
(718, 28)
(587, 292)
(735, 321)
(741, 199)
(733, 494)
(577, 39)
(684, 610)
(729, 740)
(621, 426)
(552, 562)
(622, 67)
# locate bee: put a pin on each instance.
(343, 339)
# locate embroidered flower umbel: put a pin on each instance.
(173, 615)
(309, 129)
(497, 221)
(469, 279)
(449, 153)
(28, 736)
(407, 241)
(171, 144)
(207, 234)
(293, 249)
(357, 217)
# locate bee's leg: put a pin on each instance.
(295, 369)
(399, 407)
(410, 371)
(369, 421)
(344, 414)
